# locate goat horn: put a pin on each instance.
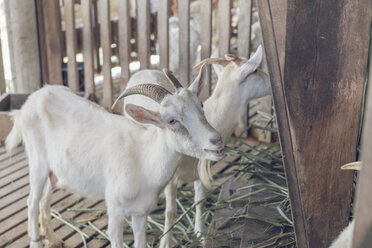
(208, 61)
(172, 78)
(352, 166)
(234, 58)
(153, 91)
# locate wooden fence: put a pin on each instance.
(126, 37)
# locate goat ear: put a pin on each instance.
(143, 115)
(252, 64)
(197, 84)
(218, 69)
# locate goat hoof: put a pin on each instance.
(55, 244)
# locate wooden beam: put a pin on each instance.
(2, 75)
(316, 92)
(52, 25)
(41, 39)
(163, 33)
(143, 42)
(88, 44)
(363, 216)
(224, 27)
(73, 76)
(184, 41)
(206, 44)
(124, 44)
(244, 28)
(105, 30)
(96, 37)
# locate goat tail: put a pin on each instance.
(14, 138)
(204, 171)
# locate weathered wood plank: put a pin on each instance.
(143, 40)
(363, 217)
(320, 91)
(124, 45)
(244, 28)
(285, 138)
(73, 76)
(184, 41)
(105, 30)
(206, 45)
(88, 45)
(2, 75)
(52, 25)
(224, 27)
(42, 44)
(163, 33)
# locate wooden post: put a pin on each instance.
(72, 72)
(206, 45)
(163, 33)
(23, 45)
(363, 216)
(317, 102)
(2, 75)
(143, 27)
(184, 41)
(224, 27)
(105, 30)
(52, 27)
(124, 44)
(88, 44)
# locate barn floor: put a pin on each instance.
(71, 211)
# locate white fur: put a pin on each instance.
(344, 240)
(236, 86)
(106, 156)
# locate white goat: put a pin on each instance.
(344, 240)
(98, 154)
(239, 81)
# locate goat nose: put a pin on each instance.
(217, 141)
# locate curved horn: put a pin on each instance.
(208, 61)
(153, 91)
(172, 78)
(234, 58)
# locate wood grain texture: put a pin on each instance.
(124, 45)
(52, 25)
(244, 28)
(2, 76)
(143, 22)
(321, 108)
(363, 205)
(105, 30)
(224, 27)
(88, 44)
(206, 45)
(163, 33)
(73, 76)
(282, 117)
(184, 41)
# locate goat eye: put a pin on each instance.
(172, 121)
(202, 105)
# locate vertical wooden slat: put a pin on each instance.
(163, 33)
(143, 39)
(244, 41)
(96, 37)
(105, 30)
(206, 44)
(224, 27)
(41, 39)
(2, 76)
(244, 28)
(321, 94)
(124, 45)
(73, 76)
(363, 216)
(86, 6)
(52, 25)
(184, 41)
